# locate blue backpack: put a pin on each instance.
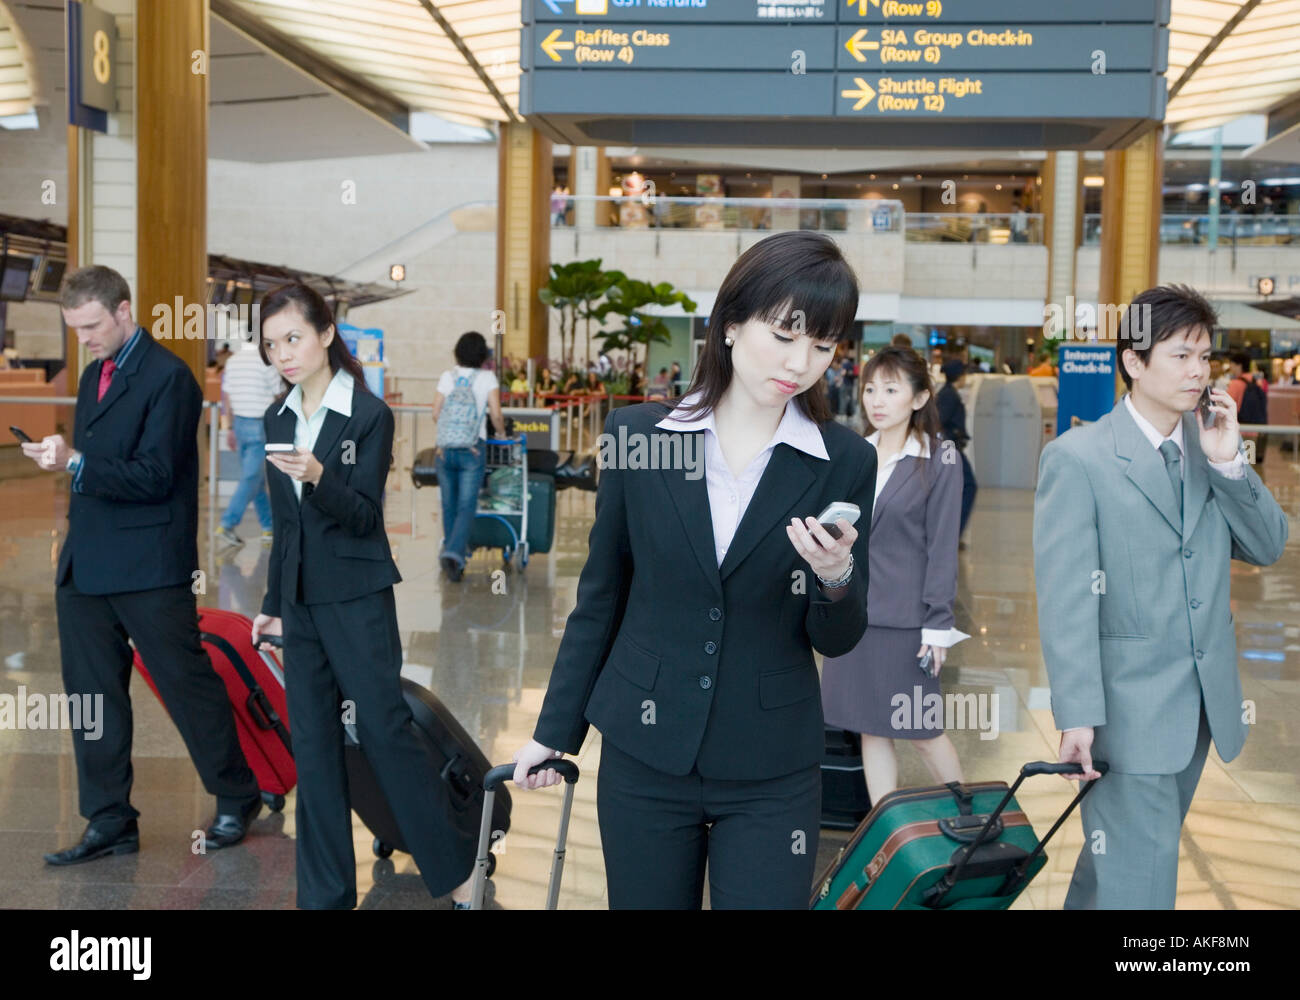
(460, 419)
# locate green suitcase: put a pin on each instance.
(950, 847)
(490, 530)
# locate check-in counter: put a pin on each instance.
(37, 419)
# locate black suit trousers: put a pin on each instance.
(351, 651)
(657, 831)
(163, 624)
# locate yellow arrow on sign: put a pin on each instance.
(862, 5)
(550, 45)
(864, 93)
(856, 45)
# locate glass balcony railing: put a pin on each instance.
(650, 211)
(828, 215)
(1234, 230)
(973, 227)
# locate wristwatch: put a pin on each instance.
(834, 584)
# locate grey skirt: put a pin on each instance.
(878, 688)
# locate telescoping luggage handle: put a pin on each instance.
(935, 894)
(568, 770)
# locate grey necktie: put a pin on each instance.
(1172, 457)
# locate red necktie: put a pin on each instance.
(106, 376)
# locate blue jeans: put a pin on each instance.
(250, 437)
(460, 475)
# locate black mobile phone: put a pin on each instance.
(1203, 408)
(276, 641)
(20, 434)
(927, 662)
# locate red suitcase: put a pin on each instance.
(255, 683)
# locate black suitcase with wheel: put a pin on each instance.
(457, 761)
(845, 802)
(424, 470)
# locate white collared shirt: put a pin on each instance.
(729, 495)
(338, 397)
(913, 448)
(1236, 469)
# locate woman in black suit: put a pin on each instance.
(708, 584)
(329, 591)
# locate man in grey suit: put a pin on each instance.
(1135, 520)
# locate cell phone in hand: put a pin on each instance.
(840, 508)
(926, 663)
(20, 434)
(1203, 408)
(280, 448)
(276, 641)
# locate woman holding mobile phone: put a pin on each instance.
(329, 592)
(708, 585)
(874, 689)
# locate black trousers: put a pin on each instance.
(968, 490)
(351, 651)
(759, 838)
(163, 624)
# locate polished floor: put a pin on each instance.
(486, 646)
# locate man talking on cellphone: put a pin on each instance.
(127, 566)
(1136, 518)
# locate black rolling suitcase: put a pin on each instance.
(486, 862)
(845, 802)
(457, 761)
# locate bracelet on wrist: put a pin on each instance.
(841, 581)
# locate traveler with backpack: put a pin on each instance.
(466, 394)
(1252, 401)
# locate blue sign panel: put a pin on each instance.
(1085, 383)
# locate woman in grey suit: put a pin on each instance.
(875, 689)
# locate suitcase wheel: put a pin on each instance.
(273, 801)
(381, 849)
(492, 864)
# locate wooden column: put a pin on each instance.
(172, 166)
(1130, 222)
(523, 237)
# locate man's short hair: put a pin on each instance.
(96, 283)
(1157, 314)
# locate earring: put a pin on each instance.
(728, 341)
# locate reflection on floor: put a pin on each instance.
(486, 647)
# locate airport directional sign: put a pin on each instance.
(1098, 63)
(933, 12)
(804, 47)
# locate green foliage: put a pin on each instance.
(629, 298)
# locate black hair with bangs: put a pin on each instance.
(798, 281)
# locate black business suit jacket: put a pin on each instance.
(133, 514)
(682, 663)
(333, 546)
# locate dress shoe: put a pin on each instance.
(229, 829)
(98, 843)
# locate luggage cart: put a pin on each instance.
(506, 453)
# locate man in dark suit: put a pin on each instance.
(128, 565)
(952, 416)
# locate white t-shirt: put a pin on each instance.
(482, 385)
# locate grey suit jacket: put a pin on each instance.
(914, 528)
(1133, 610)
